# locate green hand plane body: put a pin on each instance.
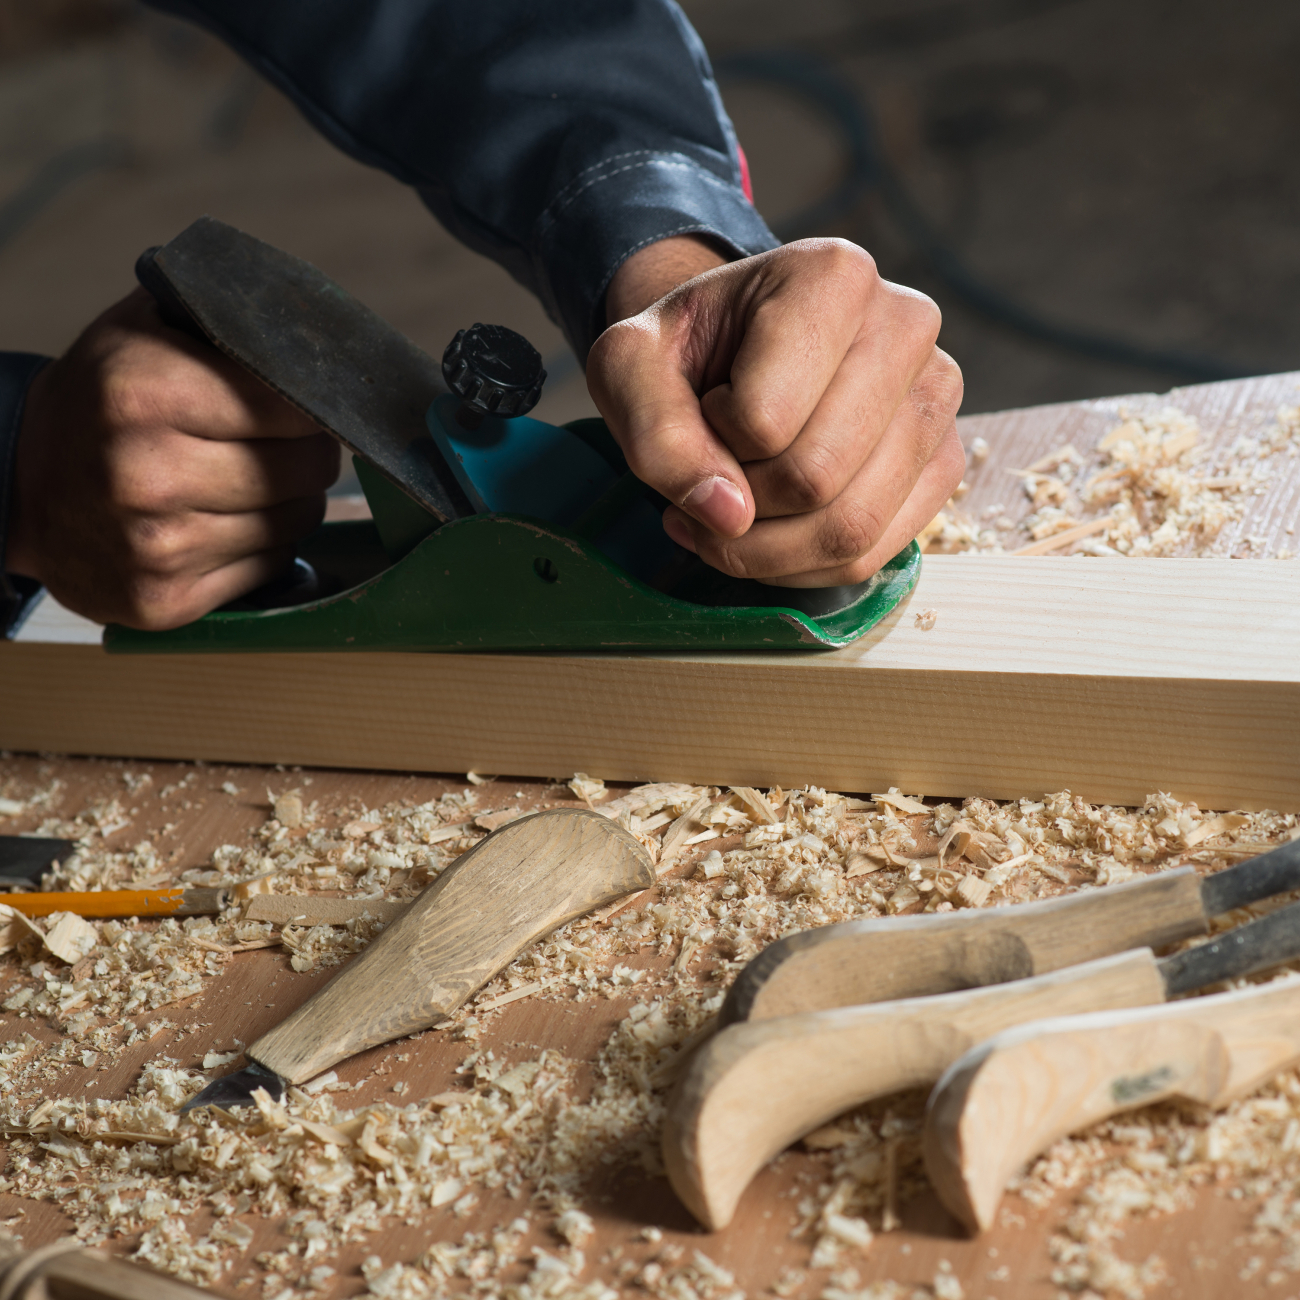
(490, 530)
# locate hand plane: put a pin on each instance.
(490, 530)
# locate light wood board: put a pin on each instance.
(1109, 677)
(1112, 678)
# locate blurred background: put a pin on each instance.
(1102, 195)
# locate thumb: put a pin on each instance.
(637, 379)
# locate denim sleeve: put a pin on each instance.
(17, 370)
(557, 137)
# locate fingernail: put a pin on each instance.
(677, 529)
(718, 504)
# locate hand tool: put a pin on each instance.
(66, 1270)
(120, 902)
(757, 1086)
(491, 530)
(907, 956)
(1011, 1097)
(24, 859)
(517, 885)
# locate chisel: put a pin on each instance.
(519, 884)
(757, 1086)
(886, 958)
(1011, 1097)
(24, 859)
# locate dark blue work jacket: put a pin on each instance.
(557, 137)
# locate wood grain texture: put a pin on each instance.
(1012, 1096)
(1109, 677)
(301, 909)
(1225, 412)
(757, 1086)
(508, 891)
(887, 958)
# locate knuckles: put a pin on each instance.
(810, 481)
(848, 532)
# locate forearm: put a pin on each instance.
(558, 137)
(17, 370)
(654, 271)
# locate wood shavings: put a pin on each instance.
(300, 909)
(505, 999)
(587, 788)
(69, 937)
(495, 821)
(973, 891)
(926, 619)
(680, 832)
(1213, 826)
(781, 862)
(1066, 537)
(287, 809)
(900, 801)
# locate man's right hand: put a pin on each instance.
(156, 479)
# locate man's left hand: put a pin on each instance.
(792, 406)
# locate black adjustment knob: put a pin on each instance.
(494, 371)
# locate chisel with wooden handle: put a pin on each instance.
(885, 958)
(757, 1086)
(65, 1270)
(519, 884)
(1011, 1097)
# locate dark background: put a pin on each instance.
(1125, 170)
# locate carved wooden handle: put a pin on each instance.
(757, 1086)
(889, 958)
(516, 886)
(1011, 1097)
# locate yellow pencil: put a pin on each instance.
(121, 902)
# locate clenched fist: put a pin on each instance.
(792, 406)
(156, 479)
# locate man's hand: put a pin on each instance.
(157, 479)
(792, 406)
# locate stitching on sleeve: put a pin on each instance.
(671, 162)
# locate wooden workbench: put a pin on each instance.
(1204, 1247)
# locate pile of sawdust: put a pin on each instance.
(738, 869)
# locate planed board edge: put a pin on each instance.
(519, 884)
(1107, 678)
(887, 958)
(1013, 1095)
(757, 1086)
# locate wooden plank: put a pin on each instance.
(1110, 677)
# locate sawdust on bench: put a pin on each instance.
(746, 868)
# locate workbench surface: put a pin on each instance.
(1208, 1240)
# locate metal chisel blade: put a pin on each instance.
(25, 858)
(237, 1089)
(331, 356)
(1256, 946)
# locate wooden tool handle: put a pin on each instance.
(516, 886)
(757, 1086)
(120, 902)
(890, 958)
(65, 1270)
(1013, 1096)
